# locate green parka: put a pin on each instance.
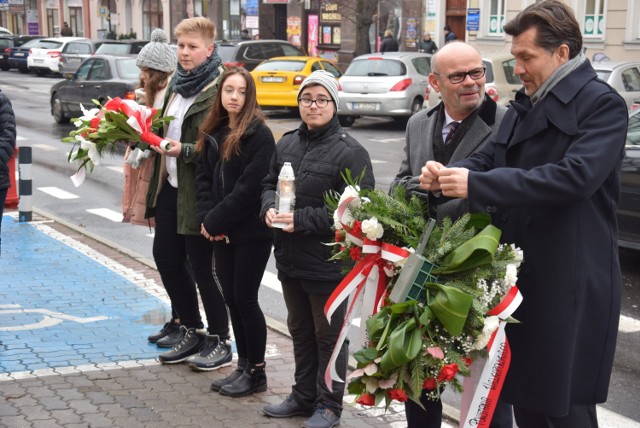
(186, 162)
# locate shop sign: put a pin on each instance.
(329, 13)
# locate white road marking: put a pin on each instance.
(112, 215)
(116, 169)
(271, 281)
(58, 193)
(376, 161)
(388, 140)
(19, 138)
(628, 325)
(46, 147)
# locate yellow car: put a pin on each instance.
(278, 79)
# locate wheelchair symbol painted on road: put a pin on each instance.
(49, 318)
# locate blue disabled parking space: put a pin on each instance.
(60, 307)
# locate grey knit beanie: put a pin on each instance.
(157, 54)
(325, 79)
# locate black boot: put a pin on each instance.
(253, 379)
(217, 384)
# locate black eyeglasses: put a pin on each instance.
(459, 77)
(320, 102)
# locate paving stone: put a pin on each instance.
(66, 416)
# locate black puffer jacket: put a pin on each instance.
(228, 192)
(7, 139)
(318, 158)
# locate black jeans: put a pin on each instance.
(239, 270)
(313, 342)
(184, 261)
(580, 416)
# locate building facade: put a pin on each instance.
(325, 28)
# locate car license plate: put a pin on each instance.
(74, 59)
(38, 61)
(366, 106)
(18, 54)
(272, 79)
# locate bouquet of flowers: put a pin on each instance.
(101, 128)
(441, 294)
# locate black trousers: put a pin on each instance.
(431, 416)
(313, 342)
(239, 270)
(580, 416)
(184, 261)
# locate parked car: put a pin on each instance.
(121, 47)
(393, 84)
(18, 55)
(629, 206)
(8, 42)
(45, 57)
(250, 53)
(5, 32)
(278, 79)
(100, 77)
(75, 52)
(501, 82)
(624, 77)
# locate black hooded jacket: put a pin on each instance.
(7, 139)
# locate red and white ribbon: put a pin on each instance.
(140, 118)
(482, 388)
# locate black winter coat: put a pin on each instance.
(389, 44)
(318, 158)
(552, 186)
(7, 139)
(228, 192)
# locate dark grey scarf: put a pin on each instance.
(191, 83)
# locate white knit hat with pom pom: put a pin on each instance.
(157, 54)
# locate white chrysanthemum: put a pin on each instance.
(490, 325)
(518, 254)
(372, 228)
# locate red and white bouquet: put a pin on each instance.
(435, 298)
(100, 129)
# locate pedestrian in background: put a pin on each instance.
(66, 31)
(319, 151)
(550, 180)
(460, 125)
(244, 35)
(7, 148)
(427, 45)
(182, 255)
(235, 148)
(389, 43)
(157, 61)
(449, 35)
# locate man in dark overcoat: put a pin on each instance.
(551, 182)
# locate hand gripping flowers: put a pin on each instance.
(99, 129)
(433, 307)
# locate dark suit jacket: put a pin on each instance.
(418, 150)
(552, 186)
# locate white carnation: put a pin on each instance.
(511, 274)
(372, 228)
(490, 325)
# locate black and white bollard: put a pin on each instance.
(25, 187)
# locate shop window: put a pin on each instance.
(151, 16)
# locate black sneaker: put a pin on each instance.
(214, 354)
(168, 328)
(172, 339)
(287, 409)
(322, 418)
(190, 344)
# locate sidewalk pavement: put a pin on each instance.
(74, 316)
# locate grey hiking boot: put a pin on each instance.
(214, 353)
(190, 344)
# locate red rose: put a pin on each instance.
(356, 253)
(467, 361)
(366, 400)
(429, 384)
(448, 372)
(398, 395)
(339, 237)
(95, 122)
(356, 230)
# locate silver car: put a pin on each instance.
(624, 77)
(393, 84)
